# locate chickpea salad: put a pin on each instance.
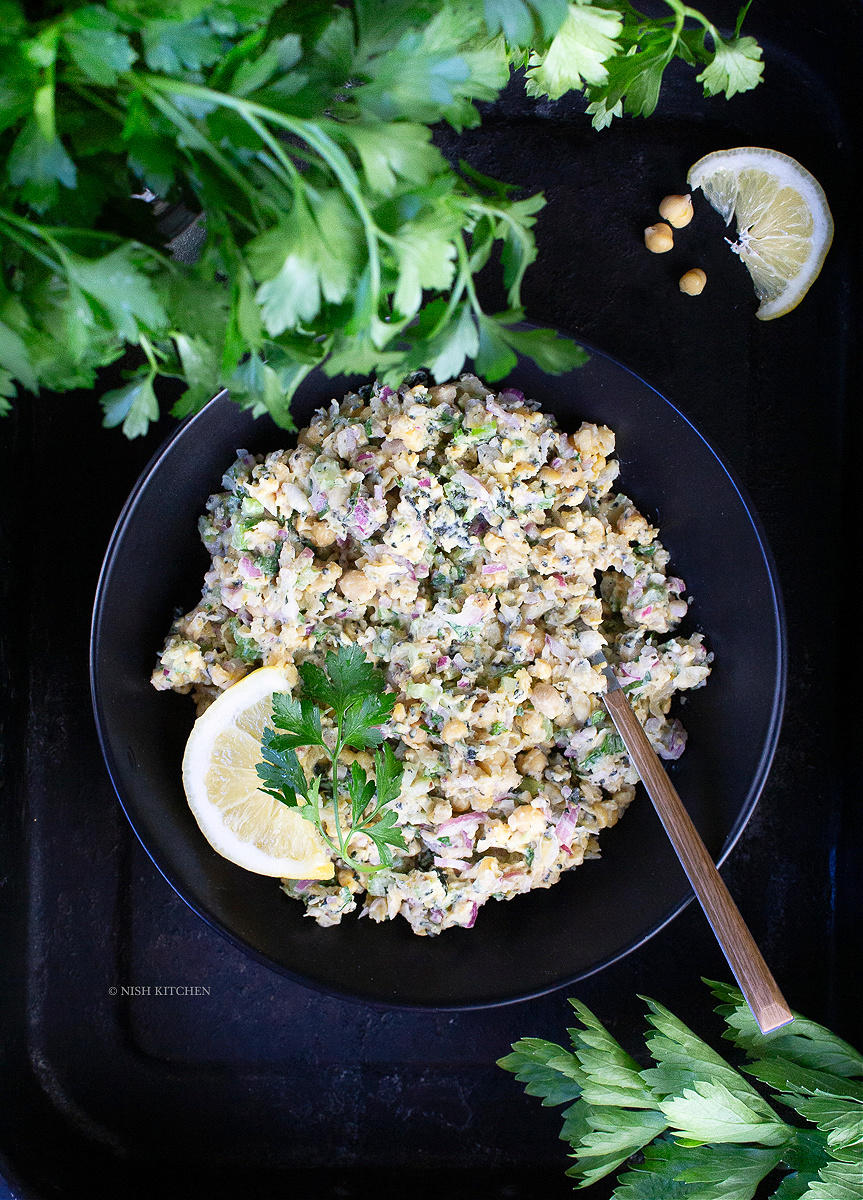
(479, 556)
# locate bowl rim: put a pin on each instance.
(744, 814)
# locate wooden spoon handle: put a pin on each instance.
(750, 970)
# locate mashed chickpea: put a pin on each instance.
(479, 556)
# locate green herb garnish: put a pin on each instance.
(247, 649)
(349, 694)
(612, 743)
(698, 1128)
(336, 233)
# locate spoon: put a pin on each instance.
(762, 994)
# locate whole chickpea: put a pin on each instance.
(453, 731)
(692, 283)
(658, 238)
(532, 726)
(676, 210)
(355, 586)
(547, 700)
(532, 762)
(318, 532)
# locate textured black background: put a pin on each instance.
(263, 1085)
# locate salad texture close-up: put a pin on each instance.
(478, 556)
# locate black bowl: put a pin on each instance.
(534, 943)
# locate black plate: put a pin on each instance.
(534, 943)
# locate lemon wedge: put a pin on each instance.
(241, 822)
(784, 227)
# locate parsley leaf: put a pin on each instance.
(134, 406)
(721, 1172)
(577, 54)
(803, 1042)
(703, 1130)
(518, 20)
(37, 163)
(736, 67)
(547, 1070)
(170, 46)
(97, 49)
(837, 1180)
(605, 1137)
(349, 676)
(611, 1076)
(353, 690)
(300, 719)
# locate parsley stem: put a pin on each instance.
(197, 140)
(334, 756)
(466, 276)
(456, 289)
(80, 89)
(147, 347)
(528, 252)
(314, 136)
(741, 17)
(16, 235)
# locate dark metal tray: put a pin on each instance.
(243, 1081)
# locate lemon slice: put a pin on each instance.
(240, 821)
(784, 226)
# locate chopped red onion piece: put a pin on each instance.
(360, 518)
(507, 419)
(461, 822)
(493, 568)
(565, 827)
(675, 742)
(249, 568)
(472, 486)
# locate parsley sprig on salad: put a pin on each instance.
(692, 1127)
(337, 234)
(350, 693)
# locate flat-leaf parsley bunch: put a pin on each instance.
(690, 1126)
(336, 232)
(349, 693)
